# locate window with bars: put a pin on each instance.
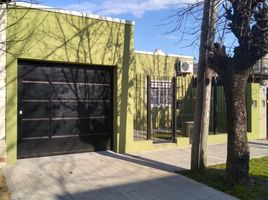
(161, 93)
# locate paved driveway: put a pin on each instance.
(108, 176)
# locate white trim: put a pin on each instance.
(3, 26)
(72, 12)
(171, 55)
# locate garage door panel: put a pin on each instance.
(36, 147)
(33, 73)
(80, 144)
(81, 127)
(98, 76)
(80, 92)
(69, 75)
(81, 109)
(35, 91)
(36, 109)
(73, 75)
(67, 109)
(35, 128)
(100, 108)
(65, 91)
(96, 92)
(101, 125)
(65, 127)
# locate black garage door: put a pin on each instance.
(63, 109)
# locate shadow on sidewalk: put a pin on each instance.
(142, 161)
(167, 187)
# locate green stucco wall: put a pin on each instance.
(157, 64)
(253, 110)
(49, 36)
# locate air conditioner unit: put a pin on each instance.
(184, 67)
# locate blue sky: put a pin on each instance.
(149, 16)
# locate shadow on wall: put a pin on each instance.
(48, 36)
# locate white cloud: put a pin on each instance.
(116, 7)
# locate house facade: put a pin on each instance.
(69, 83)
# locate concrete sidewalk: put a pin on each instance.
(106, 175)
(176, 159)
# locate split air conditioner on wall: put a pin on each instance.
(184, 67)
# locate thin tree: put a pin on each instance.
(203, 97)
(200, 107)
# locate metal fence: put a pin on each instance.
(218, 123)
(154, 108)
(161, 106)
(165, 105)
(140, 114)
(158, 115)
(185, 103)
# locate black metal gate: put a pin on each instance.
(161, 109)
(63, 109)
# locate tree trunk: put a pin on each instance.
(237, 168)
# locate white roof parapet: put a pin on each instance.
(171, 55)
(72, 12)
